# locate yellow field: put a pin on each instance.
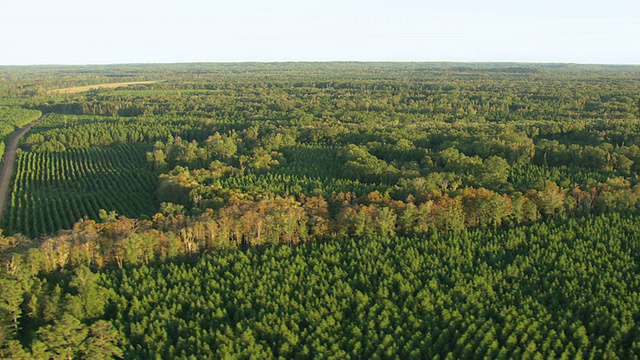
(78, 89)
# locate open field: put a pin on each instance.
(79, 89)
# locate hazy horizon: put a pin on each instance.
(434, 62)
(72, 32)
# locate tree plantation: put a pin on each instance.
(322, 210)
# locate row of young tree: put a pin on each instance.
(52, 191)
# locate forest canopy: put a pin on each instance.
(296, 210)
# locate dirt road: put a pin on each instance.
(9, 161)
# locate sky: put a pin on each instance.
(168, 31)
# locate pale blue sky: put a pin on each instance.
(136, 31)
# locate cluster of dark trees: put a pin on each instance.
(559, 289)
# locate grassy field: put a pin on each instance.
(79, 89)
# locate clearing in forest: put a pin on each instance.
(79, 89)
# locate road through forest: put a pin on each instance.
(9, 161)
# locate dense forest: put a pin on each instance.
(326, 210)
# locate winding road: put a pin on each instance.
(9, 161)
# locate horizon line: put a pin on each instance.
(503, 62)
